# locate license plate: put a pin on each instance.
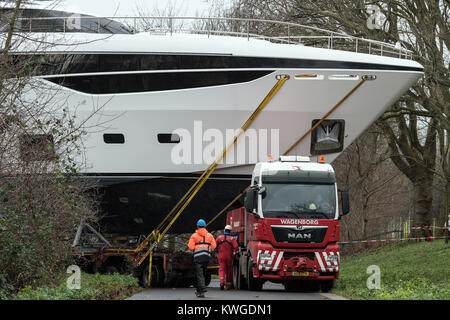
(300, 274)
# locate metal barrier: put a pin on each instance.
(391, 240)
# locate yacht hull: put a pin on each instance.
(203, 115)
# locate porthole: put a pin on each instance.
(168, 138)
(114, 138)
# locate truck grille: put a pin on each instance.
(294, 235)
(289, 255)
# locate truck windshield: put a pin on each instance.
(294, 200)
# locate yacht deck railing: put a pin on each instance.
(269, 30)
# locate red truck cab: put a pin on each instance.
(289, 228)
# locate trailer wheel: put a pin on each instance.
(207, 278)
(326, 285)
(111, 270)
(253, 283)
(186, 283)
(157, 276)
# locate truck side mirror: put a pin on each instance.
(345, 203)
(262, 191)
(249, 201)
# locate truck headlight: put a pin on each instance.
(332, 258)
(265, 257)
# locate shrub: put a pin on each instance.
(93, 287)
(38, 216)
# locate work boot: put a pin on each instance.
(222, 286)
(199, 294)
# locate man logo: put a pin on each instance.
(299, 227)
(299, 236)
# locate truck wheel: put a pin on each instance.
(238, 279)
(327, 285)
(234, 274)
(302, 286)
(312, 286)
(253, 283)
(315, 286)
(292, 286)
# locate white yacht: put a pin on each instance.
(170, 91)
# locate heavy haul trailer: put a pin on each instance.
(289, 228)
(170, 268)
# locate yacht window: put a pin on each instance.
(168, 138)
(148, 82)
(117, 138)
(54, 64)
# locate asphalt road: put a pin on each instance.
(271, 291)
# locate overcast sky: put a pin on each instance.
(129, 7)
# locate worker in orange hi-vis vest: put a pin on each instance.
(202, 243)
(227, 246)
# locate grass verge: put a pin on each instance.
(93, 287)
(407, 271)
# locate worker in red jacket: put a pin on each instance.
(227, 246)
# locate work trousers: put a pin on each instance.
(225, 272)
(200, 271)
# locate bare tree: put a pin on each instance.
(379, 192)
(419, 121)
(41, 199)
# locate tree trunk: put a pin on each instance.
(444, 215)
(423, 199)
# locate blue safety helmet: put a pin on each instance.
(201, 223)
